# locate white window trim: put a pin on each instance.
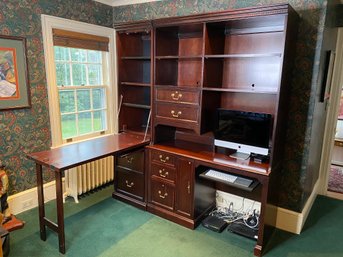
(51, 22)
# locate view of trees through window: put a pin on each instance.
(82, 94)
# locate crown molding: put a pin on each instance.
(124, 2)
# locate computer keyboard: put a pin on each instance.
(220, 175)
(244, 182)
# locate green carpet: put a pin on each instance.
(102, 226)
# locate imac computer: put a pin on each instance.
(245, 132)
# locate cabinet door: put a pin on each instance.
(184, 187)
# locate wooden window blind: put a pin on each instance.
(79, 40)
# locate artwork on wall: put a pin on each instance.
(14, 83)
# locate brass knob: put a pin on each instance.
(165, 159)
(129, 184)
(162, 195)
(176, 114)
(176, 96)
(129, 159)
(163, 175)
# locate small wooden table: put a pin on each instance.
(69, 156)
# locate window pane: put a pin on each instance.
(61, 53)
(94, 56)
(79, 74)
(99, 120)
(67, 101)
(98, 98)
(94, 74)
(78, 55)
(83, 99)
(62, 74)
(85, 123)
(68, 126)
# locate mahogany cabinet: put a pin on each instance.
(173, 75)
(129, 182)
(172, 187)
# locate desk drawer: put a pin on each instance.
(131, 183)
(133, 160)
(162, 194)
(177, 112)
(177, 96)
(163, 158)
(163, 172)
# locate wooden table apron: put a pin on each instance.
(66, 157)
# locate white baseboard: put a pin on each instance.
(292, 221)
(28, 199)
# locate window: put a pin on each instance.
(82, 91)
(79, 58)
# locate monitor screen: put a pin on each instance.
(246, 128)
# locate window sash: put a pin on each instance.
(102, 66)
(91, 110)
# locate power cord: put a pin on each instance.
(249, 218)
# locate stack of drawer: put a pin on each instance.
(130, 176)
(178, 107)
(162, 179)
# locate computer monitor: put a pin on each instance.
(245, 132)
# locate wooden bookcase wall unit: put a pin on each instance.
(191, 66)
(134, 57)
(237, 60)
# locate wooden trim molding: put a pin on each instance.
(292, 221)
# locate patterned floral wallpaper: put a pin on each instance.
(304, 83)
(28, 130)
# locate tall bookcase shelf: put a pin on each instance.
(134, 77)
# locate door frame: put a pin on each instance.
(332, 114)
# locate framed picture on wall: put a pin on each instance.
(14, 82)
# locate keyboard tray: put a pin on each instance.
(253, 185)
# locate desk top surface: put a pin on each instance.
(202, 154)
(69, 156)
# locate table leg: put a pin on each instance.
(60, 215)
(41, 208)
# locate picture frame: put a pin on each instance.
(14, 81)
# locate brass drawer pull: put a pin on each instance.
(129, 184)
(165, 173)
(176, 96)
(129, 159)
(189, 187)
(163, 160)
(162, 195)
(176, 115)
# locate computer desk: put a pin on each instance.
(69, 156)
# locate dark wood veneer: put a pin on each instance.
(188, 67)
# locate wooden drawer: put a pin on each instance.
(163, 158)
(162, 194)
(177, 96)
(132, 160)
(178, 112)
(163, 172)
(131, 183)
